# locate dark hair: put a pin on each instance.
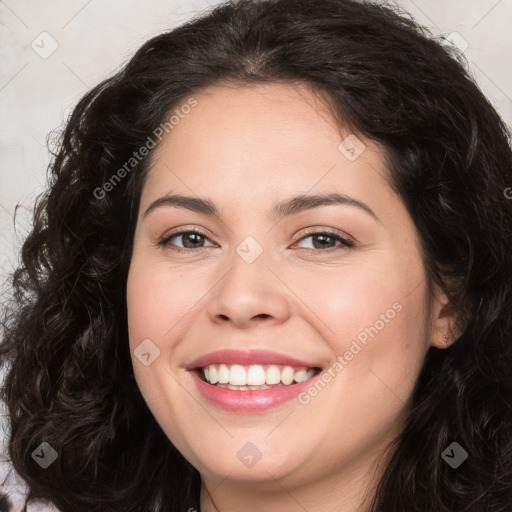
(69, 380)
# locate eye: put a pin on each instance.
(194, 239)
(324, 239)
(191, 239)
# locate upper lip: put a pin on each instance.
(246, 358)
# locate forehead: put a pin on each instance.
(272, 114)
(260, 138)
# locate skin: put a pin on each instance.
(246, 148)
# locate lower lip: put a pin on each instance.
(252, 400)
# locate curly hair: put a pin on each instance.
(69, 377)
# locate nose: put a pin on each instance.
(249, 294)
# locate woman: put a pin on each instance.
(272, 271)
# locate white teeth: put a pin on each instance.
(223, 374)
(213, 376)
(254, 376)
(273, 375)
(237, 375)
(300, 376)
(287, 375)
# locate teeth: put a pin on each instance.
(287, 375)
(273, 375)
(301, 375)
(237, 375)
(254, 376)
(223, 374)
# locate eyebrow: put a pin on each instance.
(286, 208)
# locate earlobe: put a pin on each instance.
(444, 318)
(443, 341)
(447, 340)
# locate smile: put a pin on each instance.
(250, 382)
(246, 378)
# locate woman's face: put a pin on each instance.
(260, 277)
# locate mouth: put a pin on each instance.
(254, 377)
(251, 381)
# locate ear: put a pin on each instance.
(444, 319)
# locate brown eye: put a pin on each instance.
(327, 240)
(191, 239)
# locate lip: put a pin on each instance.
(247, 357)
(251, 401)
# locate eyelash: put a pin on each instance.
(346, 243)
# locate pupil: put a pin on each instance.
(319, 237)
(190, 235)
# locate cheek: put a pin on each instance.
(374, 319)
(158, 301)
(158, 298)
(348, 300)
(373, 322)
